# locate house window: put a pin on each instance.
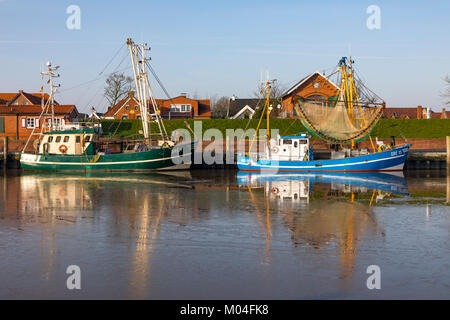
(30, 123)
(317, 98)
(127, 107)
(180, 108)
(135, 107)
(124, 117)
(56, 121)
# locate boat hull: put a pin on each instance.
(390, 160)
(137, 161)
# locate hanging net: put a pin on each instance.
(330, 119)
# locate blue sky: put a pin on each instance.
(220, 48)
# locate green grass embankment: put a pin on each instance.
(409, 128)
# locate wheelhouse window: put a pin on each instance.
(58, 139)
(87, 139)
(287, 141)
(66, 139)
(50, 139)
(77, 139)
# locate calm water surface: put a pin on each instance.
(220, 235)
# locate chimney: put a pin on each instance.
(183, 94)
(444, 114)
(131, 94)
(419, 112)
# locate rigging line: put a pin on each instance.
(114, 71)
(110, 61)
(249, 120)
(152, 70)
(100, 76)
(360, 78)
(286, 130)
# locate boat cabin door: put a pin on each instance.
(78, 147)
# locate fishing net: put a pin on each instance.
(330, 120)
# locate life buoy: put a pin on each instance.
(62, 148)
(274, 190)
(275, 150)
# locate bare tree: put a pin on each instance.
(117, 87)
(276, 91)
(220, 107)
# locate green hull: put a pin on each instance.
(136, 161)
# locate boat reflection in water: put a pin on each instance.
(325, 210)
(137, 204)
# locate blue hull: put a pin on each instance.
(390, 160)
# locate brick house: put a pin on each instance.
(314, 86)
(415, 113)
(19, 120)
(179, 107)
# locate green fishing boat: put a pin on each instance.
(81, 146)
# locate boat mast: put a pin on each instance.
(53, 88)
(136, 73)
(266, 110)
(139, 63)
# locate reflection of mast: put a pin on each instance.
(146, 236)
(266, 228)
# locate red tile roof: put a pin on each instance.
(34, 98)
(35, 110)
(401, 113)
(7, 96)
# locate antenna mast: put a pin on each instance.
(50, 74)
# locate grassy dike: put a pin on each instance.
(410, 128)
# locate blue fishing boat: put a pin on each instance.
(291, 150)
(342, 122)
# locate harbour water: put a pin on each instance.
(223, 235)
